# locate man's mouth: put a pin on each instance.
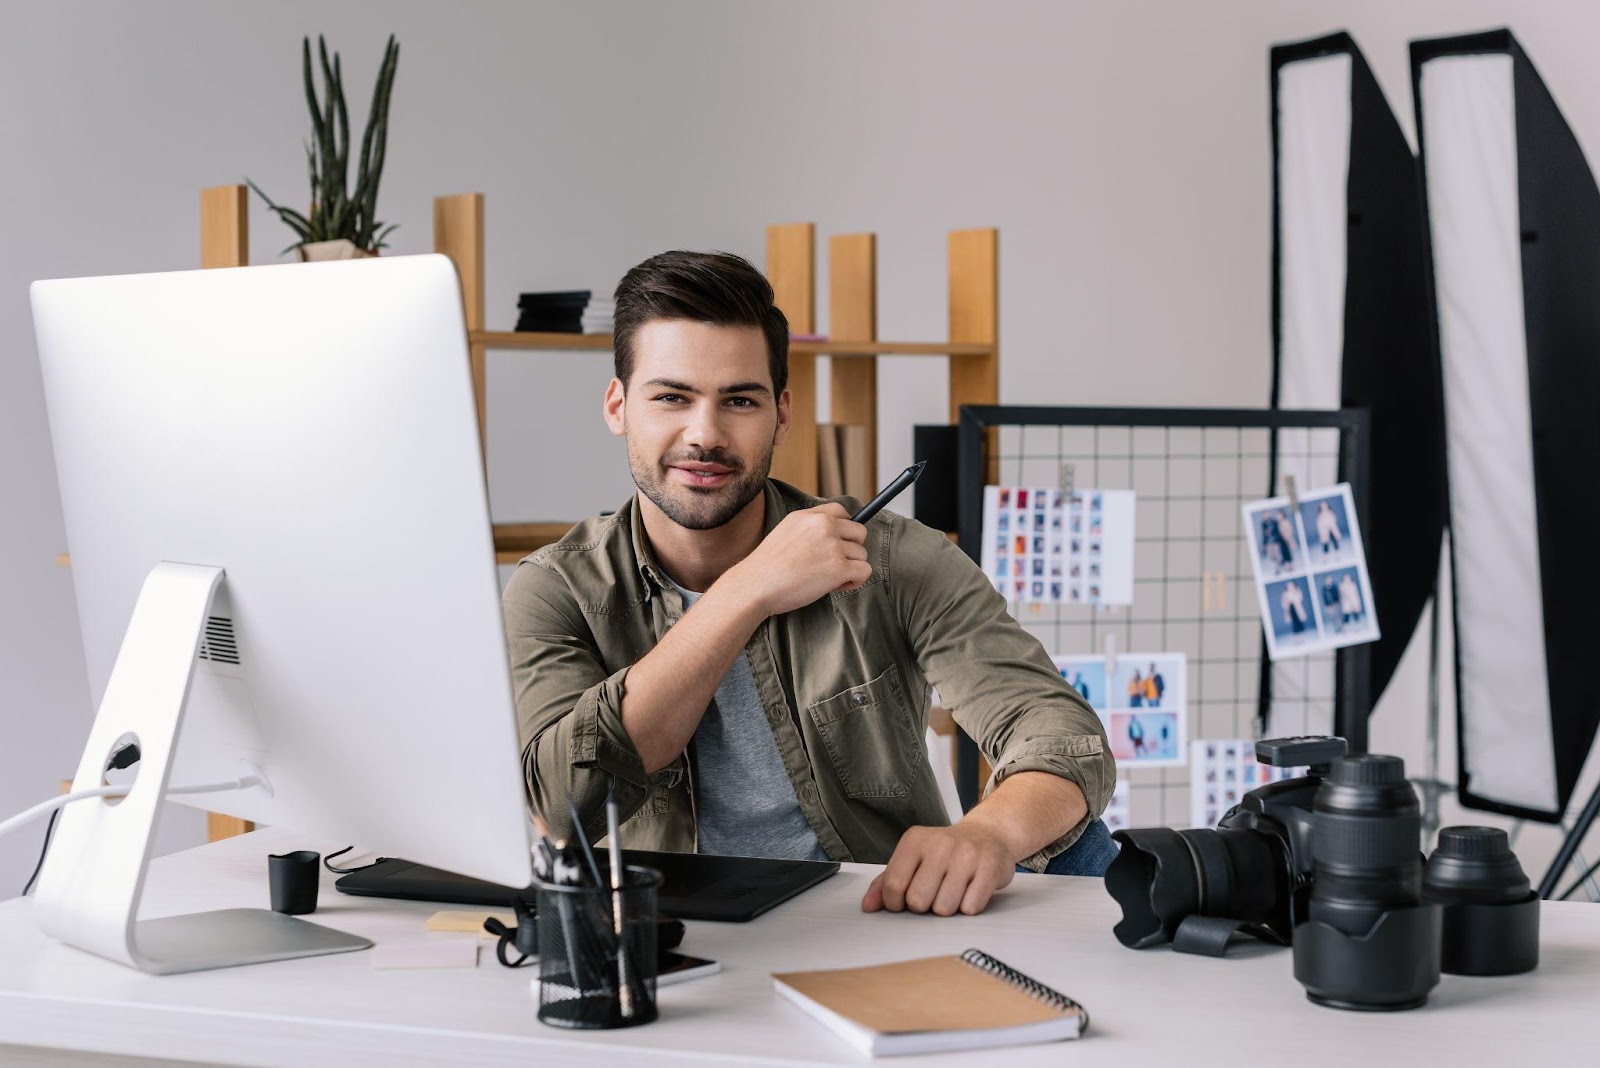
(701, 475)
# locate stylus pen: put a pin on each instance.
(889, 492)
(614, 855)
(584, 847)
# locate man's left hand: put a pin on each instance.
(943, 870)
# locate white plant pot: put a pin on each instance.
(342, 249)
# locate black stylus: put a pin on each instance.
(889, 492)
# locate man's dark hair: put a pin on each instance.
(703, 287)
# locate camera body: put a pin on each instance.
(1195, 887)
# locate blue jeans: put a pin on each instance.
(1091, 854)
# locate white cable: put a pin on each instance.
(46, 807)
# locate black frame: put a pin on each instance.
(1353, 700)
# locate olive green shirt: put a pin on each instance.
(845, 682)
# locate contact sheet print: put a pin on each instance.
(1141, 698)
(1221, 771)
(1311, 572)
(1052, 546)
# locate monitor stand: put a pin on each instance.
(93, 877)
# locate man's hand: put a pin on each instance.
(808, 555)
(943, 870)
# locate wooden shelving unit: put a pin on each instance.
(972, 347)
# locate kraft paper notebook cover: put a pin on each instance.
(970, 1001)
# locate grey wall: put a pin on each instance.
(1122, 149)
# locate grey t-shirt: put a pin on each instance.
(744, 800)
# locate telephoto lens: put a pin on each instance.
(1491, 913)
(1369, 942)
(1365, 847)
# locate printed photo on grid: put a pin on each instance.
(1147, 718)
(1087, 675)
(1221, 772)
(1276, 544)
(1312, 584)
(1116, 815)
(1045, 546)
(1342, 605)
(1327, 526)
(1141, 700)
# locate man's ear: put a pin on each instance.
(784, 400)
(616, 398)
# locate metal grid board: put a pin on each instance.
(1191, 471)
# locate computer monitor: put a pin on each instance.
(280, 540)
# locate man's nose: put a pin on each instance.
(705, 429)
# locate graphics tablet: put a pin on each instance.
(694, 887)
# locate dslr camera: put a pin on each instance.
(1331, 863)
(1195, 888)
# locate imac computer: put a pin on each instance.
(280, 540)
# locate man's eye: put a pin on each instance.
(741, 402)
(669, 397)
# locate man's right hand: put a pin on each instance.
(808, 555)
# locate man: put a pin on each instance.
(1157, 687)
(752, 669)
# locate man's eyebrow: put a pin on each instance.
(684, 387)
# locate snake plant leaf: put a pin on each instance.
(337, 209)
(380, 116)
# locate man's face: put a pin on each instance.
(700, 419)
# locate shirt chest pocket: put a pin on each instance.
(870, 737)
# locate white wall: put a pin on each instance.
(1121, 148)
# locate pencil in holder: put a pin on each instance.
(590, 976)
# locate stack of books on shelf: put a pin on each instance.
(597, 316)
(842, 461)
(569, 312)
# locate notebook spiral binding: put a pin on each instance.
(1035, 989)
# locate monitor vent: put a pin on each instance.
(219, 645)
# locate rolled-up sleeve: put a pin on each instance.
(997, 679)
(569, 707)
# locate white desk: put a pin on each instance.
(1148, 1008)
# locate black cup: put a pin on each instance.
(294, 878)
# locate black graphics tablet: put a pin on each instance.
(694, 887)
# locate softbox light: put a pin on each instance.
(1514, 220)
(1352, 328)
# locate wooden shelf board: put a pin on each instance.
(524, 339)
(513, 541)
(528, 340)
(889, 348)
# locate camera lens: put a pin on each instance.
(1474, 865)
(1162, 876)
(1367, 827)
(1369, 942)
(1491, 914)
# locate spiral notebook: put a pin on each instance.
(971, 1001)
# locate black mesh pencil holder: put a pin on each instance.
(588, 976)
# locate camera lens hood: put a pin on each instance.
(1391, 967)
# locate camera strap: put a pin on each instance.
(1206, 936)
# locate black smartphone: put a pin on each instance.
(680, 968)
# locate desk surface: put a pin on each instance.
(1148, 1008)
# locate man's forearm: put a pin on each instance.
(1029, 810)
(669, 689)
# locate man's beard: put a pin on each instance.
(701, 509)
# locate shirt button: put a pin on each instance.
(859, 698)
(809, 791)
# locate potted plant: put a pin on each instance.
(342, 222)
